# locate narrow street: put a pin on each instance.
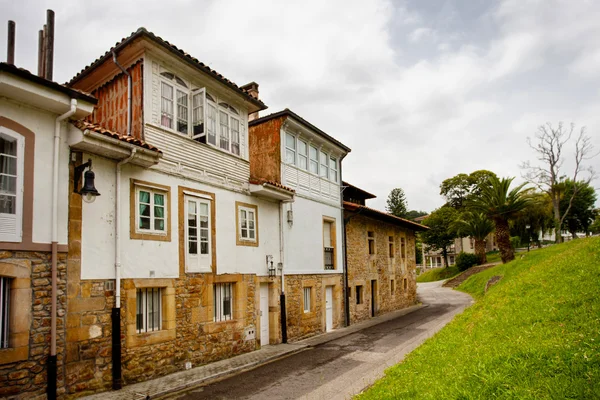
(342, 367)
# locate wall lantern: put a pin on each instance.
(88, 192)
(271, 267)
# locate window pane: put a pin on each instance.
(8, 165)
(182, 112)
(192, 247)
(302, 147)
(333, 163)
(8, 184)
(251, 234)
(8, 146)
(144, 197)
(144, 223)
(166, 105)
(290, 156)
(8, 204)
(204, 248)
(235, 136)
(224, 132)
(290, 141)
(314, 167)
(203, 209)
(144, 210)
(211, 128)
(198, 114)
(313, 153)
(302, 161)
(159, 224)
(203, 222)
(159, 211)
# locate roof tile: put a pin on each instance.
(84, 125)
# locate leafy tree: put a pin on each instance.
(501, 204)
(458, 189)
(439, 236)
(581, 214)
(533, 219)
(478, 226)
(396, 203)
(412, 214)
(549, 145)
(595, 226)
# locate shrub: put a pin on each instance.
(465, 261)
(515, 241)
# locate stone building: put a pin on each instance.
(34, 245)
(380, 252)
(285, 149)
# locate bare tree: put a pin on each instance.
(548, 143)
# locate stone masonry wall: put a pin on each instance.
(364, 268)
(27, 378)
(300, 324)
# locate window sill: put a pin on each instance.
(189, 139)
(244, 242)
(309, 315)
(149, 338)
(220, 326)
(159, 237)
(14, 354)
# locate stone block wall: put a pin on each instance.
(302, 324)
(23, 372)
(363, 268)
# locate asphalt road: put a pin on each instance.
(342, 367)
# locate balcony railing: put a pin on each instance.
(328, 255)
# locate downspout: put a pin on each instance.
(281, 257)
(52, 368)
(345, 266)
(116, 311)
(128, 92)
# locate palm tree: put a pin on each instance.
(477, 226)
(500, 204)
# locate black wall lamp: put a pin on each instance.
(88, 192)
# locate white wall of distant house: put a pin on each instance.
(139, 257)
(41, 123)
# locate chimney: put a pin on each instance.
(49, 56)
(41, 53)
(10, 53)
(252, 89)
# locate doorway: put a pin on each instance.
(373, 297)
(264, 314)
(328, 308)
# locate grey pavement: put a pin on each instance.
(334, 365)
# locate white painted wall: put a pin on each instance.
(304, 239)
(42, 124)
(138, 257)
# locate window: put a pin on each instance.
(150, 211)
(403, 248)
(302, 155)
(359, 295)
(314, 159)
(405, 283)
(151, 214)
(198, 234)
(11, 185)
(247, 224)
(329, 243)
(324, 166)
(4, 311)
(333, 169)
(223, 301)
(148, 310)
(392, 287)
(371, 241)
(290, 149)
(307, 293)
(209, 117)
(391, 246)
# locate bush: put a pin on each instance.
(515, 241)
(465, 261)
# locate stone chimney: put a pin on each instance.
(252, 89)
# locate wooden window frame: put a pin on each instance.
(239, 240)
(134, 232)
(142, 299)
(17, 237)
(333, 239)
(182, 192)
(371, 248)
(218, 313)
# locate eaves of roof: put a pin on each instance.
(84, 125)
(289, 113)
(25, 74)
(376, 214)
(194, 62)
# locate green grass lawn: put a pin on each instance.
(534, 335)
(438, 274)
(493, 256)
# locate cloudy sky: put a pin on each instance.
(420, 90)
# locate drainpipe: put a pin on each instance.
(128, 92)
(345, 266)
(281, 257)
(51, 388)
(116, 311)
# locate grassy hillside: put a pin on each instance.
(534, 335)
(438, 274)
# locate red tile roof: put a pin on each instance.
(142, 32)
(84, 125)
(370, 212)
(272, 183)
(25, 74)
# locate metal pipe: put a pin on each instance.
(40, 69)
(129, 83)
(52, 372)
(282, 258)
(345, 266)
(49, 45)
(10, 48)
